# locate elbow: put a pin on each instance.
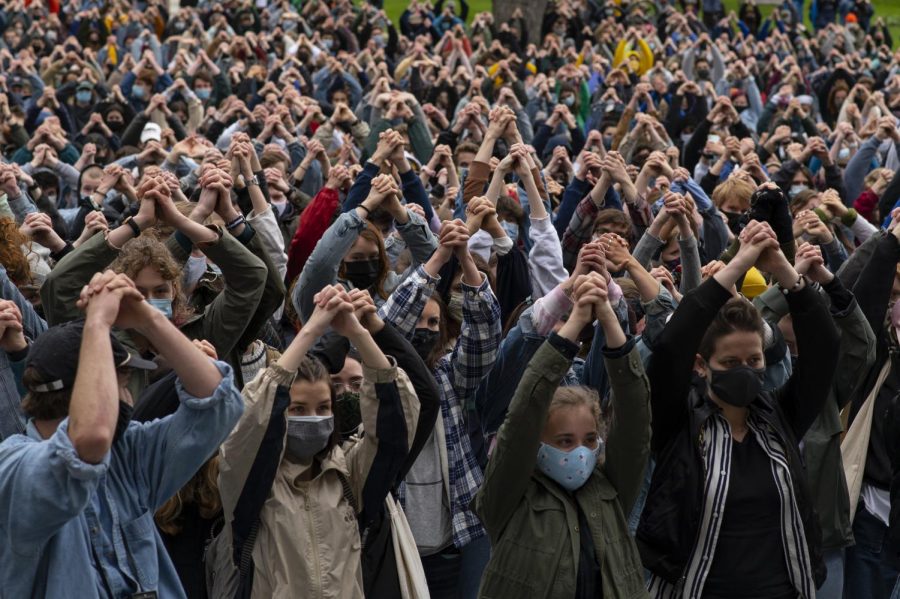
(92, 445)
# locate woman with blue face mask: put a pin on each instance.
(554, 495)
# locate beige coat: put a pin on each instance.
(308, 544)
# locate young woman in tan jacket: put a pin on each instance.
(285, 456)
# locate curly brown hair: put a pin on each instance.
(144, 251)
(12, 257)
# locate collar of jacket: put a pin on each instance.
(333, 460)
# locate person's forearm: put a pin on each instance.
(94, 407)
(471, 274)
(538, 210)
(195, 231)
(615, 338)
(198, 375)
(293, 356)
(371, 354)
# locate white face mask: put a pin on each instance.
(193, 272)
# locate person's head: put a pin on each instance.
(52, 366)
(731, 355)
(347, 385)
(203, 86)
(142, 89)
(89, 180)
(615, 221)
(465, 154)
(571, 440)
(84, 93)
(431, 336)
(115, 119)
(732, 196)
(802, 181)
(311, 427)
(156, 275)
(12, 255)
(701, 67)
(366, 264)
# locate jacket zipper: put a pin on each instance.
(317, 579)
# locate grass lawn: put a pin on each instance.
(889, 9)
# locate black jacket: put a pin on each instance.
(672, 515)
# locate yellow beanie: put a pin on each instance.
(754, 283)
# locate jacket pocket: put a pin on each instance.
(140, 543)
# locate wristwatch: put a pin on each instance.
(254, 180)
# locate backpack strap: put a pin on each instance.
(348, 492)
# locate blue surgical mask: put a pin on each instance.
(203, 93)
(569, 101)
(138, 92)
(83, 96)
(571, 469)
(328, 43)
(378, 38)
(512, 230)
(163, 305)
(844, 154)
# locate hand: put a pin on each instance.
(591, 299)
(814, 227)
(102, 298)
(831, 201)
(755, 238)
(809, 262)
(331, 300)
(616, 252)
(365, 311)
(95, 222)
(477, 210)
(591, 258)
(12, 337)
(40, 228)
(387, 142)
(206, 347)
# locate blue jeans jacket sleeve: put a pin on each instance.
(170, 450)
(43, 485)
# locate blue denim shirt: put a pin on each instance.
(73, 529)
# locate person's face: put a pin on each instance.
(152, 285)
(310, 399)
(733, 205)
(740, 348)
(90, 180)
(570, 427)
(671, 251)
(619, 229)
(800, 179)
(202, 84)
(114, 119)
(464, 159)
(363, 249)
(431, 317)
(839, 97)
(340, 98)
(350, 378)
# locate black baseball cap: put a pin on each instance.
(54, 354)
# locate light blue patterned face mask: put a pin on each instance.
(163, 305)
(512, 230)
(571, 469)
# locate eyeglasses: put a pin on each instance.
(353, 385)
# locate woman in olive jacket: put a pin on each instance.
(556, 516)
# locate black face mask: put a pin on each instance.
(125, 412)
(703, 73)
(423, 341)
(735, 221)
(347, 407)
(737, 386)
(364, 273)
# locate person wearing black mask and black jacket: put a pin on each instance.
(728, 498)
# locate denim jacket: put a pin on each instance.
(73, 529)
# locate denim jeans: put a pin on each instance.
(475, 557)
(868, 571)
(833, 588)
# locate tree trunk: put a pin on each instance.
(532, 10)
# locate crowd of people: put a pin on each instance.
(296, 301)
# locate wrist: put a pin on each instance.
(55, 244)
(571, 329)
(152, 321)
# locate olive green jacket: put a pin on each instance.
(822, 442)
(533, 522)
(222, 323)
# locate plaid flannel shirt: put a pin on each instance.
(458, 374)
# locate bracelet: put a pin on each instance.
(801, 279)
(366, 208)
(134, 226)
(254, 180)
(235, 223)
